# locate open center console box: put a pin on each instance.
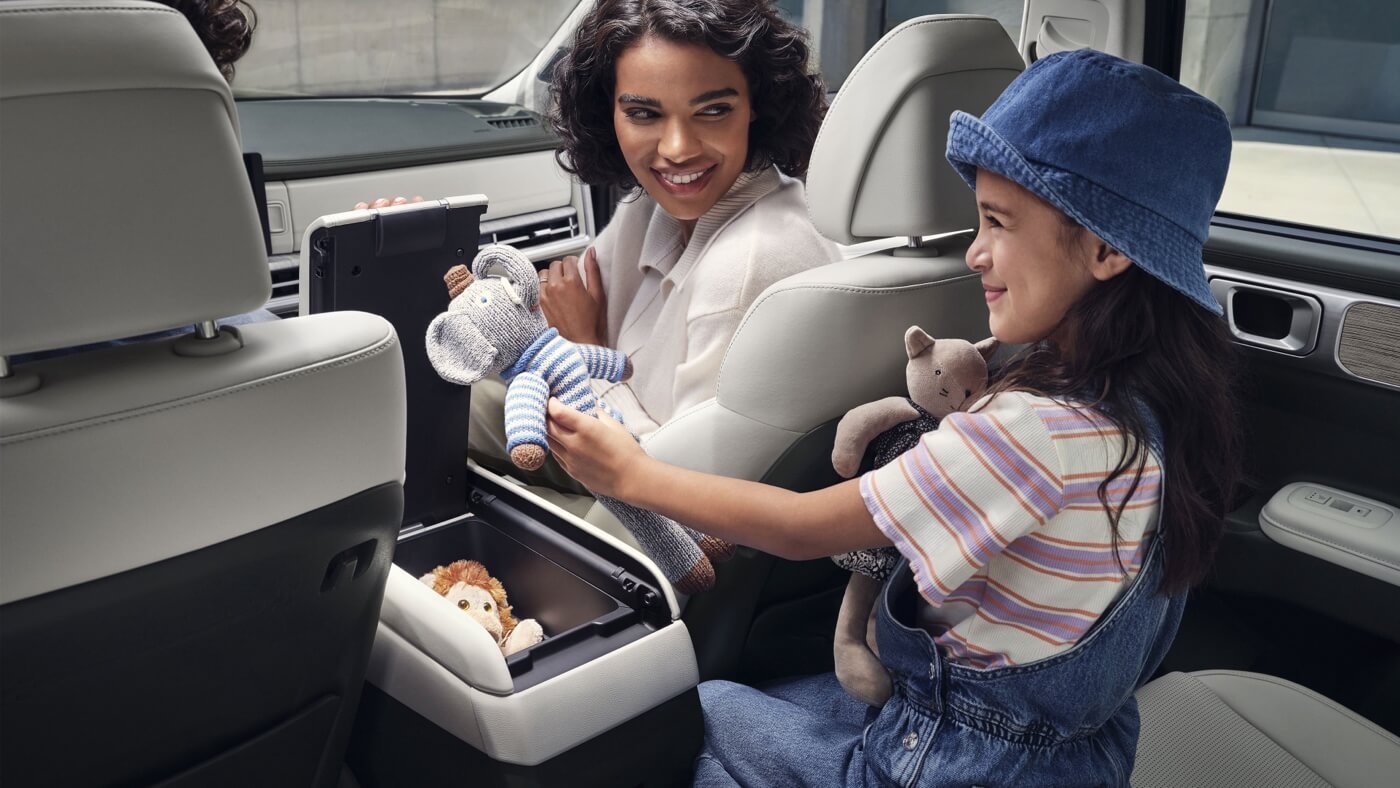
(608, 697)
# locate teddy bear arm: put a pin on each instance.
(525, 634)
(861, 424)
(605, 363)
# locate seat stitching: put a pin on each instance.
(834, 288)
(101, 421)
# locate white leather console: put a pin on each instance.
(1337, 526)
(534, 725)
(452, 673)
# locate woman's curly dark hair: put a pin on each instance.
(225, 27)
(788, 102)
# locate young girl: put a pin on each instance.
(1051, 533)
(705, 111)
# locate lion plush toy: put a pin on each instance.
(475, 592)
(943, 376)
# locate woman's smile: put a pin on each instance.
(685, 183)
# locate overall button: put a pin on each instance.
(911, 740)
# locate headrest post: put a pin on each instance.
(206, 329)
(14, 384)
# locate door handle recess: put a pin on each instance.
(1269, 318)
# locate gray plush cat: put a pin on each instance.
(943, 375)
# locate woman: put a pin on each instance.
(706, 112)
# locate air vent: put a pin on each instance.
(533, 229)
(517, 122)
(284, 270)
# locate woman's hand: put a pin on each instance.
(578, 311)
(385, 202)
(599, 452)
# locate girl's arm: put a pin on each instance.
(602, 455)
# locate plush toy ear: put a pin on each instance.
(507, 261)
(458, 350)
(916, 341)
(457, 279)
(988, 348)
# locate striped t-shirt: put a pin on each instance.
(998, 513)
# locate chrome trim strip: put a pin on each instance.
(1323, 358)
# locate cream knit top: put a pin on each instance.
(674, 306)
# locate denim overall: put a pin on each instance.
(1067, 720)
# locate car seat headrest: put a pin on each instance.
(125, 207)
(878, 168)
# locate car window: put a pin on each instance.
(1312, 89)
(394, 47)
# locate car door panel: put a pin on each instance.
(1325, 412)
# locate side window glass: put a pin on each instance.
(335, 48)
(1312, 89)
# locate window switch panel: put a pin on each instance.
(1337, 526)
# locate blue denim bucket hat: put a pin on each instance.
(1122, 149)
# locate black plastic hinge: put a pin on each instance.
(645, 596)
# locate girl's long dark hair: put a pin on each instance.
(1130, 339)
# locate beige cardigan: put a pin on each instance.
(674, 308)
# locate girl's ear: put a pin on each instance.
(1107, 262)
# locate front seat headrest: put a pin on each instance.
(878, 168)
(125, 207)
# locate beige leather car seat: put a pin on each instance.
(1226, 729)
(817, 344)
(195, 531)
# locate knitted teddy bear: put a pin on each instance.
(494, 326)
(943, 376)
(475, 592)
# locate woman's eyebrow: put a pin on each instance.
(633, 98)
(711, 95)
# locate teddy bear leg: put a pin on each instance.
(857, 667)
(526, 395)
(526, 633)
(714, 548)
(673, 550)
(527, 456)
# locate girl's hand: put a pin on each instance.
(578, 311)
(600, 453)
